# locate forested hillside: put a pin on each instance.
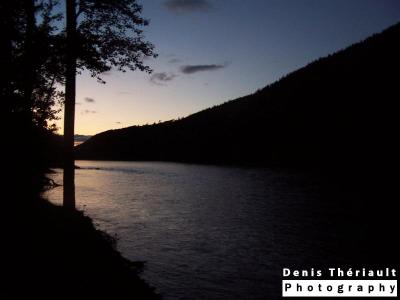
(338, 110)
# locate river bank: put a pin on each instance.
(49, 251)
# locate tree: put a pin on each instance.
(38, 55)
(30, 68)
(100, 35)
(69, 107)
(30, 44)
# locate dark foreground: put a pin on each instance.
(50, 252)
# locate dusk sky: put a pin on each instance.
(218, 50)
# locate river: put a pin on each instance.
(208, 232)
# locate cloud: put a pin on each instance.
(187, 6)
(87, 111)
(89, 100)
(174, 61)
(162, 77)
(190, 69)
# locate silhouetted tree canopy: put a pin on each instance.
(33, 49)
(109, 34)
(30, 50)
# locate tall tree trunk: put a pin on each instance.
(69, 108)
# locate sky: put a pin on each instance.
(212, 51)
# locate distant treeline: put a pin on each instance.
(336, 111)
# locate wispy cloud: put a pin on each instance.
(174, 60)
(190, 69)
(162, 77)
(88, 111)
(187, 6)
(89, 100)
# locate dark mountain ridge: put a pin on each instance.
(337, 111)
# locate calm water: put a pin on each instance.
(207, 232)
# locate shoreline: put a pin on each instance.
(52, 251)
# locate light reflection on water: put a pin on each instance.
(205, 232)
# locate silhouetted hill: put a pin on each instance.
(337, 111)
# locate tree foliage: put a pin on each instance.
(30, 49)
(33, 54)
(110, 35)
